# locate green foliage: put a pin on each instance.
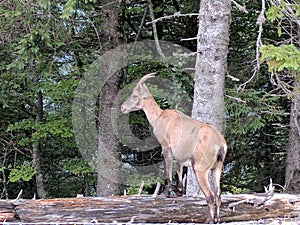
(46, 46)
(254, 112)
(134, 182)
(37, 56)
(71, 6)
(25, 172)
(69, 9)
(274, 13)
(281, 57)
(133, 10)
(277, 12)
(280, 11)
(77, 167)
(255, 140)
(44, 4)
(55, 127)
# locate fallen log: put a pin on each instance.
(146, 208)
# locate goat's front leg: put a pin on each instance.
(168, 156)
(180, 188)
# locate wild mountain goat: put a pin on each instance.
(190, 142)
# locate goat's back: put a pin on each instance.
(190, 140)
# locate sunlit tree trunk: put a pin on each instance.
(292, 171)
(211, 66)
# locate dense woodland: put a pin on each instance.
(46, 47)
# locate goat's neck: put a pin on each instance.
(152, 110)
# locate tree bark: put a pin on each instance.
(40, 187)
(211, 66)
(292, 174)
(146, 209)
(108, 165)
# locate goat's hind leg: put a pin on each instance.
(216, 177)
(202, 177)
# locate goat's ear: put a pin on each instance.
(139, 89)
(145, 93)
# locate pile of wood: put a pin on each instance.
(147, 208)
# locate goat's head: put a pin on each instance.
(138, 95)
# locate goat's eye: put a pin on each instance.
(134, 96)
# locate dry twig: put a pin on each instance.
(259, 199)
(156, 190)
(260, 21)
(141, 188)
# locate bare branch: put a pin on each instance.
(258, 199)
(189, 39)
(240, 7)
(237, 99)
(141, 188)
(19, 195)
(232, 77)
(156, 190)
(141, 25)
(177, 14)
(160, 52)
(260, 21)
(95, 29)
(140, 29)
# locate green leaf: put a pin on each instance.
(273, 13)
(158, 9)
(25, 172)
(69, 9)
(281, 57)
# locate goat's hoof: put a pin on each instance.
(169, 193)
(179, 191)
(172, 194)
(209, 221)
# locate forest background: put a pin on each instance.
(47, 46)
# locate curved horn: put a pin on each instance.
(146, 77)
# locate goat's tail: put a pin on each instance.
(222, 153)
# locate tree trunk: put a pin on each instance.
(292, 171)
(36, 150)
(211, 66)
(146, 209)
(108, 165)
